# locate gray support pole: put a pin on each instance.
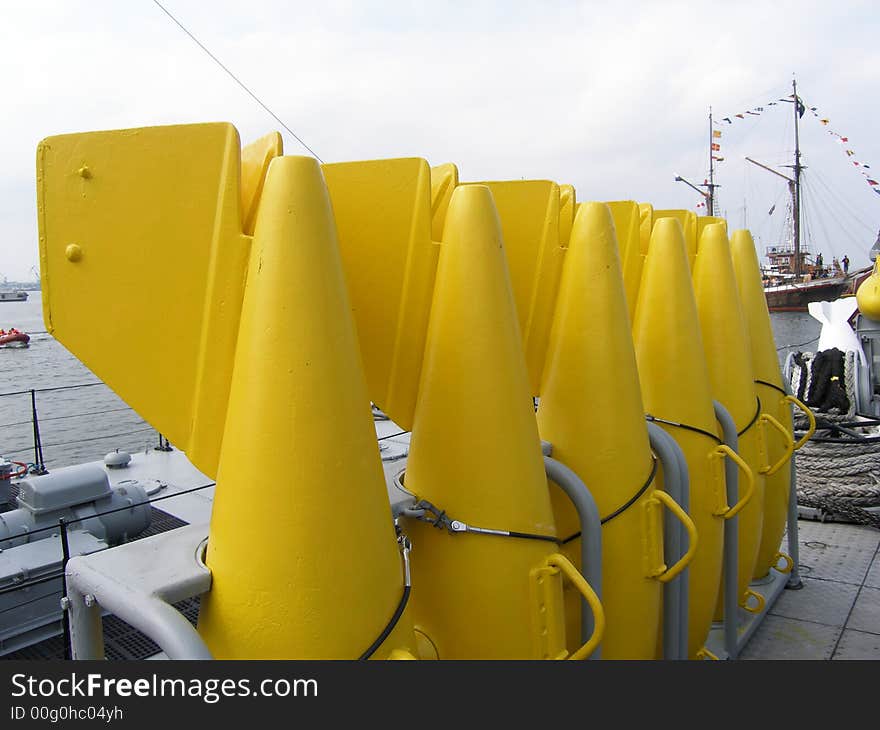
(86, 631)
(591, 534)
(731, 535)
(675, 543)
(794, 578)
(684, 582)
(149, 614)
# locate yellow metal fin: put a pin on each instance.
(143, 263)
(444, 179)
(567, 206)
(383, 216)
(529, 212)
(255, 159)
(627, 223)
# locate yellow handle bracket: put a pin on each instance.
(725, 450)
(789, 444)
(691, 528)
(810, 417)
(562, 563)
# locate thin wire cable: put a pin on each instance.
(72, 415)
(47, 390)
(21, 450)
(236, 79)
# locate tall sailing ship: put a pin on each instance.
(793, 275)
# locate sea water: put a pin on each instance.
(81, 424)
(76, 424)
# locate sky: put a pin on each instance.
(610, 97)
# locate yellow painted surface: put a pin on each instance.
(303, 552)
(383, 216)
(676, 386)
(529, 213)
(567, 205)
(591, 411)
(151, 302)
(868, 295)
(444, 179)
(728, 356)
(475, 453)
(688, 221)
(628, 224)
(707, 220)
(646, 226)
(255, 159)
(765, 366)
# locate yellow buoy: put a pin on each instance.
(688, 220)
(476, 456)
(306, 565)
(676, 390)
(725, 342)
(591, 411)
(768, 379)
(868, 294)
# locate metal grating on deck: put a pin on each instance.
(121, 641)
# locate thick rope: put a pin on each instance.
(837, 472)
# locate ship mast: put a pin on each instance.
(796, 195)
(709, 184)
(710, 197)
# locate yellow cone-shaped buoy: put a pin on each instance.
(768, 379)
(591, 411)
(688, 220)
(302, 550)
(476, 454)
(726, 344)
(676, 388)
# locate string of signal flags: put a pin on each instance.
(861, 167)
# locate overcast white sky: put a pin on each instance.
(611, 97)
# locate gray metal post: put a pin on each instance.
(675, 543)
(86, 631)
(794, 578)
(591, 534)
(731, 534)
(684, 580)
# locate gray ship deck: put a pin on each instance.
(836, 615)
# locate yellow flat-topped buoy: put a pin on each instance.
(591, 411)
(728, 356)
(688, 221)
(676, 388)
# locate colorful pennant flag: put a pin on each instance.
(716, 133)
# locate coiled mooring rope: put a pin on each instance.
(838, 469)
